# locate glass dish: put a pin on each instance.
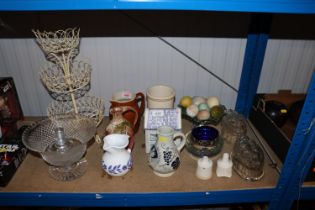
(248, 159)
(204, 135)
(199, 151)
(61, 144)
(233, 126)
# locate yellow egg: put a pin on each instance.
(213, 101)
(186, 101)
(203, 115)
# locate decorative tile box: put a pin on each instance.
(154, 118)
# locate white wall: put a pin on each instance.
(137, 63)
(288, 64)
(131, 63)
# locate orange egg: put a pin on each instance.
(203, 115)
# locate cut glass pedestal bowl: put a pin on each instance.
(62, 144)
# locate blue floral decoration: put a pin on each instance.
(117, 169)
(175, 163)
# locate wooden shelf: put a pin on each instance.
(32, 176)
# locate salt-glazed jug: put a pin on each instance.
(116, 160)
(164, 155)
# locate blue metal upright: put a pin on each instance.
(303, 143)
(253, 60)
(299, 157)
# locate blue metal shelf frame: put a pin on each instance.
(302, 146)
(252, 65)
(306, 193)
(265, 6)
(299, 157)
(256, 45)
(135, 199)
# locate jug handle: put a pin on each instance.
(142, 105)
(129, 108)
(182, 141)
(131, 142)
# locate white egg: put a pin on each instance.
(213, 101)
(192, 110)
(198, 100)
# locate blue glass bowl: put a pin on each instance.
(205, 135)
(199, 151)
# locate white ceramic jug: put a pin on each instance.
(117, 159)
(164, 155)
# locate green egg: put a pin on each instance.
(203, 106)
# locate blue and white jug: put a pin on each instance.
(116, 160)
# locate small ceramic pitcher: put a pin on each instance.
(119, 124)
(164, 155)
(116, 160)
(136, 101)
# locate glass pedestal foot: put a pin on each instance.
(68, 173)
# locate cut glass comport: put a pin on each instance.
(62, 144)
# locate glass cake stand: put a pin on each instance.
(62, 144)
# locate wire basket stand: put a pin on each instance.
(66, 78)
(73, 115)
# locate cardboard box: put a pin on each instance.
(12, 150)
(12, 153)
(10, 108)
(279, 139)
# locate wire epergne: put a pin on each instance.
(73, 115)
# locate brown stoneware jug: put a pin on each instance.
(120, 125)
(136, 101)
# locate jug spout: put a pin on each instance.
(115, 141)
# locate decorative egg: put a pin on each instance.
(192, 110)
(198, 100)
(203, 106)
(203, 115)
(213, 101)
(186, 101)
